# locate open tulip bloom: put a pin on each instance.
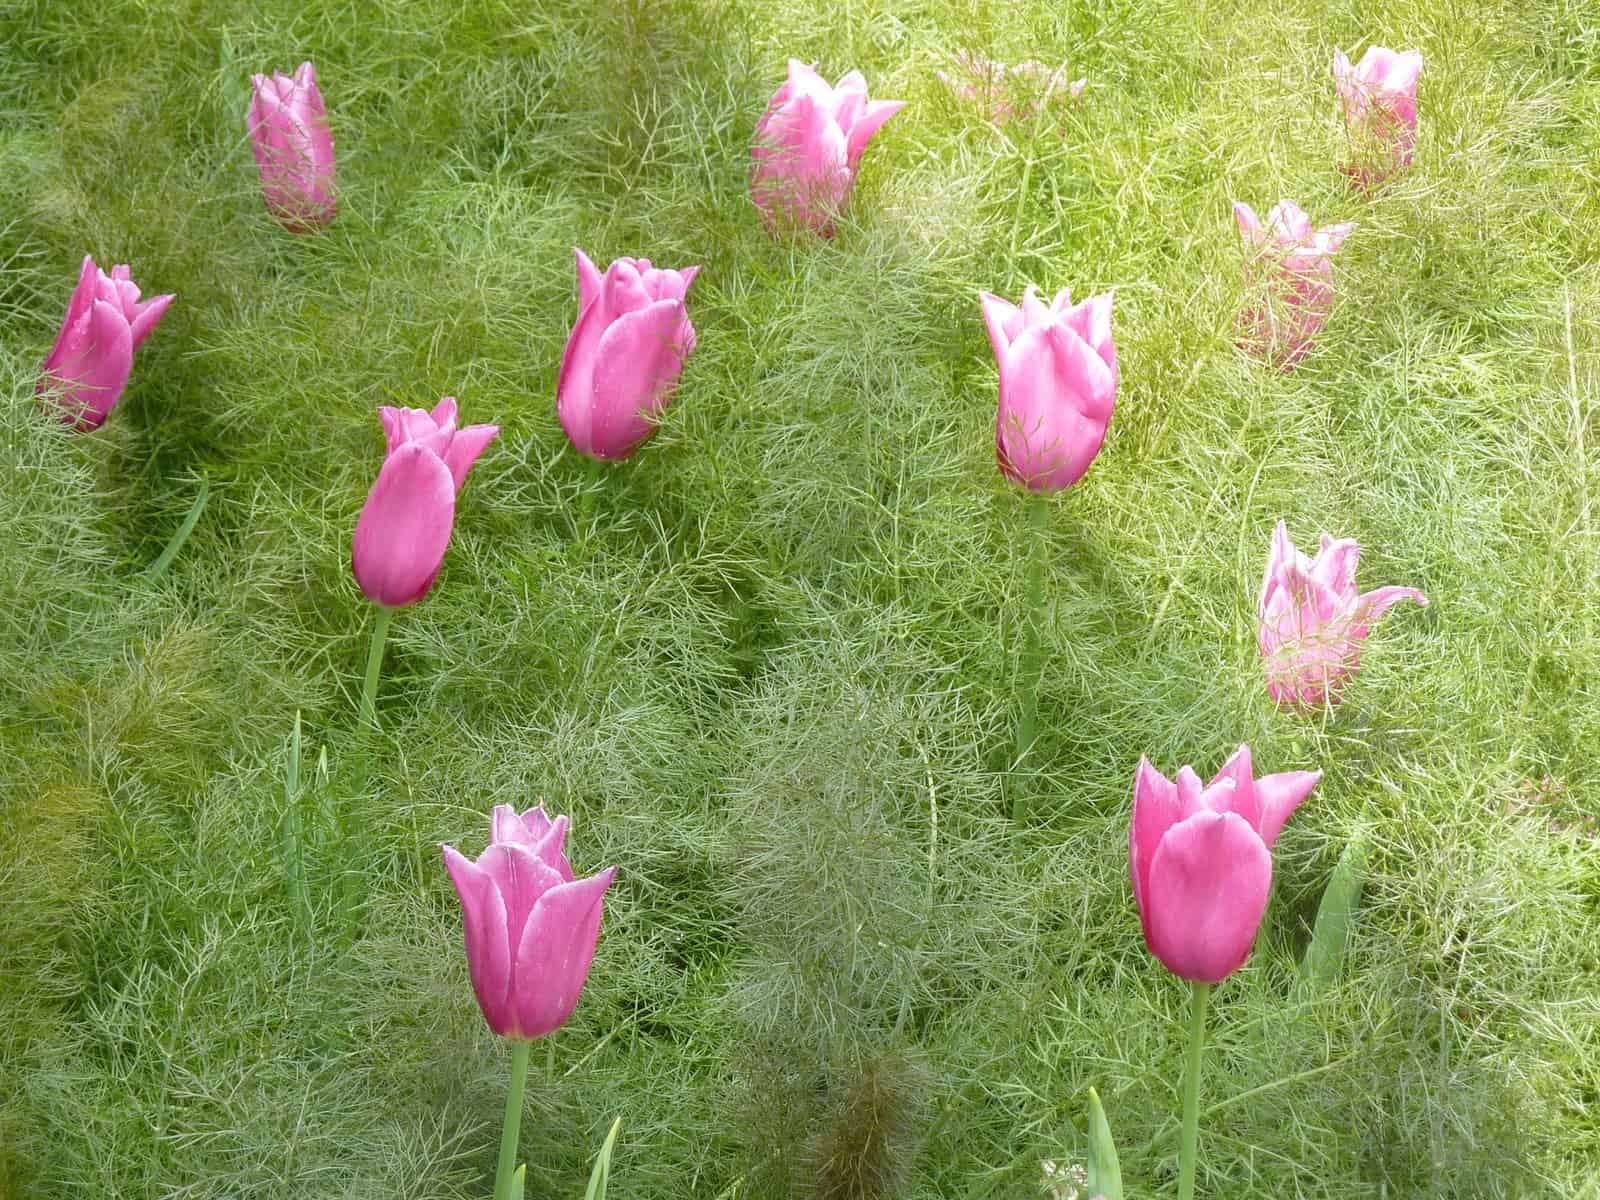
(293, 145)
(405, 524)
(1005, 93)
(624, 355)
(808, 145)
(531, 927)
(1379, 98)
(88, 367)
(1200, 856)
(1288, 273)
(1313, 621)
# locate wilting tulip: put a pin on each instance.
(1313, 621)
(88, 367)
(531, 927)
(624, 356)
(1379, 97)
(808, 145)
(1288, 272)
(405, 525)
(1058, 385)
(1005, 93)
(294, 148)
(1201, 860)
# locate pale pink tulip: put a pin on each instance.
(1379, 98)
(293, 146)
(405, 524)
(1288, 273)
(1058, 385)
(1005, 93)
(530, 925)
(88, 367)
(808, 146)
(624, 355)
(1201, 860)
(1313, 621)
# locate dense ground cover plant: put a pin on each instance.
(768, 663)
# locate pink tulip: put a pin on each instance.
(405, 526)
(1313, 621)
(1007, 93)
(88, 367)
(531, 927)
(1379, 97)
(1058, 385)
(1201, 860)
(294, 148)
(1288, 270)
(808, 145)
(624, 356)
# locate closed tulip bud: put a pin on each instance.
(1313, 621)
(1201, 860)
(405, 525)
(88, 367)
(531, 927)
(1288, 274)
(294, 148)
(624, 356)
(808, 145)
(1379, 98)
(1058, 385)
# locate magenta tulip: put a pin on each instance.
(1288, 273)
(1058, 385)
(624, 356)
(1313, 621)
(1201, 860)
(1005, 93)
(88, 367)
(531, 927)
(294, 148)
(808, 146)
(405, 525)
(1379, 98)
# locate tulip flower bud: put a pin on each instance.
(624, 355)
(88, 367)
(531, 927)
(1058, 385)
(294, 148)
(1379, 97)
(405, 525)
(1201, 860)
(1313, 621)
(808, 146)
(1005, 93)
(1288, 274)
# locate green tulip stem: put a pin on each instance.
(1028, 683)
(513, 1123)
(1191, 1090)
(369, 688)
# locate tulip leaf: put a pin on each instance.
(1335, 917)
(1105, 1172)
(601, 1174)
(519, 1180)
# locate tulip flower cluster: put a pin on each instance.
(1379, 98)
(1289, 276)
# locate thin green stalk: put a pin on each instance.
(159, 567)
(1031, 667)
(513, 1123)
(1191, 1090)
(369, 688)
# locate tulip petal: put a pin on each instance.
(1156, 809)
(404, 527)
(637, 364)
(1280, 795)
(866, 126)
(96, 367)
(522, 877)
(1003, 320)
(589, 279)
(1335, 565)
(555, 952)
(464, 450)
(488, 944)
(1239, 772)
(1208, 888)
(147, 317)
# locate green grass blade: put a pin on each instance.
(602, 1165)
